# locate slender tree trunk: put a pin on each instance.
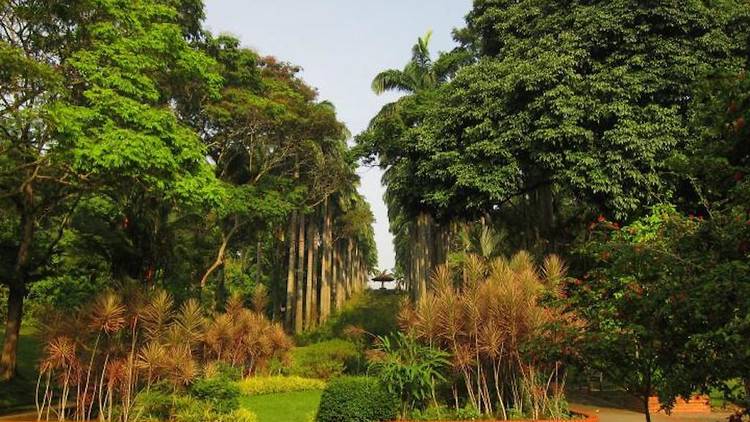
(349, 268)
(334, 278)
(300, 277)
(292, 243)
(312, 252)
(279, 245)
(325, 287)
(259, 260)
(225, 238)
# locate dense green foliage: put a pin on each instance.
(560, 114)
(324, 360)
(409, 369)
(357, 399)
(136, 146)
(221, 393)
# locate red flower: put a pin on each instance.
(600, 219)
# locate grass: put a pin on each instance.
(298, 406)
(18, 394)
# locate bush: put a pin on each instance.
(221, 394)
(254, 386)
(155, 404)
(223, 370)
(192, 410)
(357, 399)
(324, 360)
(159, 405)
(241, 415)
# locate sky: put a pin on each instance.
(342, 45)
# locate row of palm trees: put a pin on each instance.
(330, 253)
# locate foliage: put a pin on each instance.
(259, 385)
(324, 360)
(160, 405)
(357, 399)
(139, 147)
(245, 338)
(665, 302)
(129, 341)
(220, 393)
(373, 312)
(493, 325)
(408, 369)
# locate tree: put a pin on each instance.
(384, 139)
(665, 303)
(107, 130)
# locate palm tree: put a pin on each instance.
(421, 74)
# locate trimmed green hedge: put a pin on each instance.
(357, 399)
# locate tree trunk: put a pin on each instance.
(349, 268)
(8, 359)
(312, 253)
(289, 302)
(275, 273)
(12, 331)
(334, 279)
(325, 278)
(646, 410)
(300, 277)
(258, 261)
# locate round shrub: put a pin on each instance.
(357, 399)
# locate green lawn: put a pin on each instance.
(284, 407)
(19, 393)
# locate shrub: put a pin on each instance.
(409, 369)
(221, 394)
(324, 360)
(357, 399)
(241, 415)
(223, 370)
(192, 410)
(155, 404)
(254, 386)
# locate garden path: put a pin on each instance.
(610, 414)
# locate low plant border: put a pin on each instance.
(585, 417)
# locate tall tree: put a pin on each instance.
(111, 120)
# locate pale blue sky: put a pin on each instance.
(342, 44)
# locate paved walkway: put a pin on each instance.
(608, 414)
(23, 417)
